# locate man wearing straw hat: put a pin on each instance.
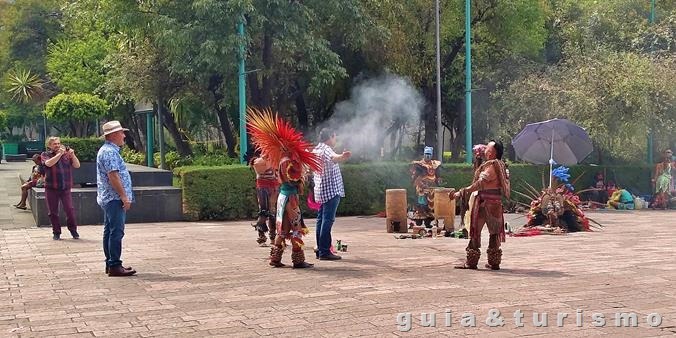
(114, 195)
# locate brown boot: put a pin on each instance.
(473, 256)
(298, 259)
(272, 235)
(494, 258)
(276, 256)
(127, 268)
(119, 271)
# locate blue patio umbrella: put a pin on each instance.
(553, 141)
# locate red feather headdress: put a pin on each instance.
(276, 138)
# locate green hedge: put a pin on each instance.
(85, 148)
(218, 192)
(228, 192)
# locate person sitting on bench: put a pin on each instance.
(36, 180)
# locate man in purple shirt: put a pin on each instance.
(59, 162)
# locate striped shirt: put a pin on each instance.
(328, 183)
(60, 175)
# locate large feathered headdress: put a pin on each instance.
(276, 138)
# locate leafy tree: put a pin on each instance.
(501, 29)
(614, 77)
(3, 120)
(78, 110)
(27, 27)
(77, 64)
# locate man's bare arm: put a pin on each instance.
(342, 157)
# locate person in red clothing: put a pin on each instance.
(58, 162)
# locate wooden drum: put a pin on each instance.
(395, 209)
(444, 207)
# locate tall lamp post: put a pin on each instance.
(146, 107)
(242, 94)
(650, 134)
(160, 135)
(468, 82)
(440, 136)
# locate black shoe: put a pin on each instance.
(56, 237)
(75, 234)
(330, 257)
(316, 252)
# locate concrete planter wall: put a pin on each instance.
(156, 200)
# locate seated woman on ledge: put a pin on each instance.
(36, 180)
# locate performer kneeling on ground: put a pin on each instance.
(492, 182)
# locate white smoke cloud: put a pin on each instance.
(375, 107)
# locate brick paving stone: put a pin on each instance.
(210, 279)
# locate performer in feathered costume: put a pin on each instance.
(285, 149)
(425, 176)
(557, 209)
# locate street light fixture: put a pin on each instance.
(146, 107)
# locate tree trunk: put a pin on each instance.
(73, 128)
(429, 117)
(215, 82)
(254, 90)
(227, 130)
(182, 146)
(135, 141)
(266, 97)
(301, 109)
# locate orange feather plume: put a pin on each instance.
(276, 138)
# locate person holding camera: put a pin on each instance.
(59, 161)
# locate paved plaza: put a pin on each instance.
(200, 279)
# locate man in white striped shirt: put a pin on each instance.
(328, 191)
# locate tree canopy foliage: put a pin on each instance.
(602, 64)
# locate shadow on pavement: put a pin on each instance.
(529, 272)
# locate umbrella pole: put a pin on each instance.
(551, 158)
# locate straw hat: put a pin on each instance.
(111, 127)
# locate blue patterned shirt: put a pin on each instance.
(328, 183)
(107, 160)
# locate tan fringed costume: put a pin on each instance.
(492, 183)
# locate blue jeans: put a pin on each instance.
(325, 218)
(113, 231)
